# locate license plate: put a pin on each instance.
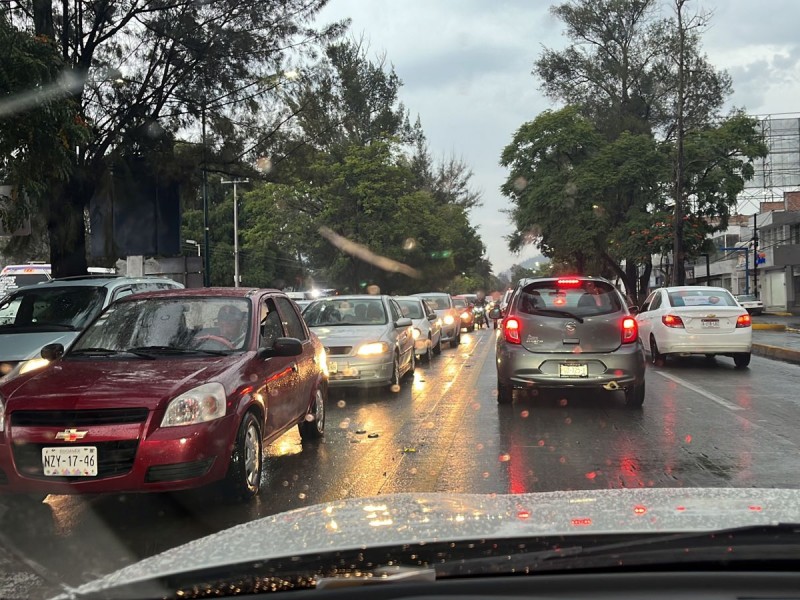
(573, 370)
(350, 372)
(711, 323)
(333, 367)
(72, 461)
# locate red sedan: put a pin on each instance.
(165, 391)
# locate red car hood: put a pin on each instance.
(77, 384)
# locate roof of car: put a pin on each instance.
(213, 292)
(96, 281)
(352, 297)
(689, 288)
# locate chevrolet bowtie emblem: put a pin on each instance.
(71, 435)
(710, 316)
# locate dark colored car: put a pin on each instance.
(165, 391)
(569, 332)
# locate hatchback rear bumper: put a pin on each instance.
(520, 368)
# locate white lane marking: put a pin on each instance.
(713, 397)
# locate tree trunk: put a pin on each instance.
(43, 18)
(66, 228)
(644, 283)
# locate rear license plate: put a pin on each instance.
(573, 370)
(350, 372)
(333, 367)
(710, 323)
(73, 461)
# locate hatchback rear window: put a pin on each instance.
(701, 297)
(582, 298)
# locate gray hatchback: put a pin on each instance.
(569, 332)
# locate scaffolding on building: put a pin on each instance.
(779, 171)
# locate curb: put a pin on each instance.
(768, 326)
(777, 353)
(777, 314)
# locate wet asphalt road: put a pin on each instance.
(703, 424)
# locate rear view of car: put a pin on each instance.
(751, 303)
(465, 309)
(572, 332)
(695, 320)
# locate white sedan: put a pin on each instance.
(753, 305)
(427, 326)
(695, 320)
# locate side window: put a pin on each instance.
(646, 305)
(122, 292)
(291, 322)
(270, 323)
(656, 303)
(396, 312)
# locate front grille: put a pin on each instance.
(178, 471)
(339, 350)
(77, 418)
(113, 458)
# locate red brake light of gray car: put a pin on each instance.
(511, 330)
(630, 330)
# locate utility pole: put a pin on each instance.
(678, 272)
(207, 257)
(235, 182)
(755, 254)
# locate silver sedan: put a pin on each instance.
(367, 340)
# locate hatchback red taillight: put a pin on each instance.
(744, 321)
(511, 330)
(672, 321)
(630, 330)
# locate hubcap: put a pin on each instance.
(252, 457)
(319, 411)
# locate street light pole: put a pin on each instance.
(235, 182)
(755, 254)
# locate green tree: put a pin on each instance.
(39, 125)
(143, 71)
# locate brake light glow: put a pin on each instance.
(569, 282)
(672, 321)
(511, 330)
(630, 330)
(744, 321)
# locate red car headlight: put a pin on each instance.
(199, 405)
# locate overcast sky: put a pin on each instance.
(466, 69)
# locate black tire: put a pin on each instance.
(656, 358)
(413, 367)
(505, 393)
(471, 328)
(741, 360)
(456, 341)
(243, 481)
(634, 395)
(314, 428)
(437, 349)
(395, 380)
(428, 356)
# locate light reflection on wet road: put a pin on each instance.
(703, 424)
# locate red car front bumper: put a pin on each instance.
(131, 457)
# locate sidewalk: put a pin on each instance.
(777, 337)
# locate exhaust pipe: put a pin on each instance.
(611, 386)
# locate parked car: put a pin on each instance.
(427, 326)
(465, 311)
(751, 303)
(163, 391)
(569, 332)
(442, 303)
(367, 340)
(695, 320)
(57, 310)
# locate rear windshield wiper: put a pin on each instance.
(557, 313)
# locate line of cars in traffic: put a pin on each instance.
(119, 384)
(580, 332)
